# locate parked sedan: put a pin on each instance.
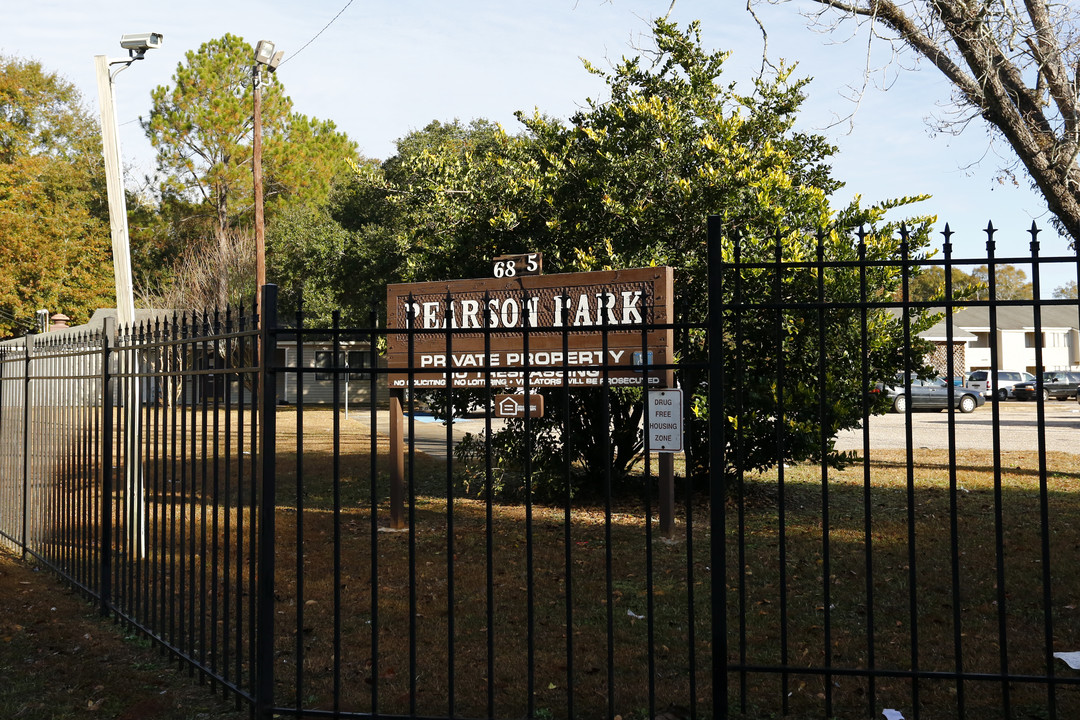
(932, 394)
(1057, 384)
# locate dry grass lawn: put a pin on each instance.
(453, 603)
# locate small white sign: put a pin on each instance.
(665, 420)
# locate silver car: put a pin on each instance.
(983, 381)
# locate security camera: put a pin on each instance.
(138, 43)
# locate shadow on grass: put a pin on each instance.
(835, 593)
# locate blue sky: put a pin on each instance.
(381, 69)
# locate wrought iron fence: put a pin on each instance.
(933, 579)
(477, 569)
(124, 470)
(320, 529)
(324, 571)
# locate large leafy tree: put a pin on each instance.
(639, 175)
(338, 254)
(1066, 291)
(1010, 283)
(161, 228)
(201, 126)
(929, 285)
(54, 233)
(1014, 65)
(322, 266)
(630, 182)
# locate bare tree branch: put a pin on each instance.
(204, 269)
(1013, 62)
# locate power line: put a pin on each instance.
(316, 37)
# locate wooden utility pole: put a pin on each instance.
(256, 174)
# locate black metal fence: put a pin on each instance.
(934, 576)
(121, 474)
(231, 490)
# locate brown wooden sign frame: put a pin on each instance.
(575, 329)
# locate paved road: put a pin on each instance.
(1018, 423)
(430, 433)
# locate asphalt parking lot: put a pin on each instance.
(1017, 422)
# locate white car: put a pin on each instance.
(983, 381)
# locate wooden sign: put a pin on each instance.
(574, 329)
(513, 406)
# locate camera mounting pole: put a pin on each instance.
(137, 45)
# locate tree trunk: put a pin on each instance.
(222, 292)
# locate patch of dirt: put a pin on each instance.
(59, 658)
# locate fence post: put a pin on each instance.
(264, 628)
(108, 389)
(717, 460)
(4, 509)
(26, 446)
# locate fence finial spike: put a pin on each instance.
(947, 245)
